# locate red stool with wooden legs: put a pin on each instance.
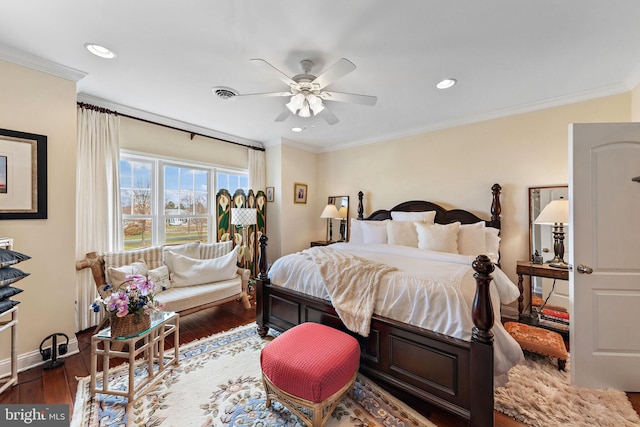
(308, 369)
(538, 340)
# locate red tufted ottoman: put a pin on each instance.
(538, 340)
(308, 369)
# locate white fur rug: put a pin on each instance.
(539, 395)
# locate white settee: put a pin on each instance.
(189, 277)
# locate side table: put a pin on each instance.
(526, 268)
(149, 343)
(12, 324)
(321, 243)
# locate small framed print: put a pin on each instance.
(23, 175)
(270, 191)
(299, 193)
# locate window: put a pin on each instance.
(171, 201)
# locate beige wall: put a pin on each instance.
(635, 104)
(39, 103)
(144, 137)
(456, 167)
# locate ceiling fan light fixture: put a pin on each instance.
(100, 51)
(304, 111)
(446, 83)
(315, 103)
(295, 103)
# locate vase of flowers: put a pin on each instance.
(129, 306)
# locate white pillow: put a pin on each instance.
(424, 216)
(438, 237)
(492, 242)
(355, 232)
(160, 276)
(187, 271)
(374, 232)
(471, 239)
(191, 250)
(402, 233)
(117, 275)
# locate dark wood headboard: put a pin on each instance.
(443, 216)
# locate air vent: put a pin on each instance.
(224, 92)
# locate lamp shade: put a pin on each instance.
(330, 211)
(342, 212)
(556, 212)
(243, 216)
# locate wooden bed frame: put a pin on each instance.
(452, 374)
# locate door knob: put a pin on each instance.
(584, 269)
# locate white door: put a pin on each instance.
(605, 237)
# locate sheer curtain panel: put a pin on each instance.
(257, 170)
(98, 218)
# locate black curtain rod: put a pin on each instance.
(193, 134)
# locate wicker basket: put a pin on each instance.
(129, 325)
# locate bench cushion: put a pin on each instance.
(311, 361)
(538, 340)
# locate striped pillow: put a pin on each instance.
(151, 255)
(215, 250)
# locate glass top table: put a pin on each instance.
(157, 319)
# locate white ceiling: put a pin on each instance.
(508, 57)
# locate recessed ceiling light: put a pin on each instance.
(296, 129)
(446, 83)
(99, 50)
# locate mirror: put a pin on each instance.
(541, 240)
(338, 228)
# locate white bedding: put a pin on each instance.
(431, 290)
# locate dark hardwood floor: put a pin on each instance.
(39, 386)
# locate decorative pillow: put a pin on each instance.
(374, 232)
(355, 231)
(191, 250)
(492, 242)
(117, 275)
(7, 304)
(9, 275)
(9, 257)
(438, 237)
(8, 292)
(160, 276)
(152, 257)
(471, 239)
(215, 250)
(186, 271)
(402, 233)
(425, 216)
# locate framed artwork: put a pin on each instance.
(270, 191)
(23, 175)
(299, 193)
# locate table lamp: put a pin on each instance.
(556, 214)
(330, 212)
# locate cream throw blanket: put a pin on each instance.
(352, 283)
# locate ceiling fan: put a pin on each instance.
(306, 91)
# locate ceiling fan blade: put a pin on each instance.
(341, 68)
(279, 74)
(262, 95)
(349, 97)
(283, 115)
(328, 115)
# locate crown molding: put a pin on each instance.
(40, 64)
(633, 78)
(152, 117)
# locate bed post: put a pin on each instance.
(481, 372)
(360, 206)
(496, 208)
(261, 281)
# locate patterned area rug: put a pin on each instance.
(539, 395)
(218, 383)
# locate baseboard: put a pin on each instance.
(33, 358)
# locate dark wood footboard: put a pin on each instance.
(440, 370)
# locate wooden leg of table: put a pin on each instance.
(521, 297)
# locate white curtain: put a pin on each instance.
(257, 170)
(98, 217)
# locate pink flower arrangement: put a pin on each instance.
(135, 298)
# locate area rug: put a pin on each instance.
(218, 383)
(539, 395)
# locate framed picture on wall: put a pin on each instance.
(23, 175)
(299, 193)
(270, 191)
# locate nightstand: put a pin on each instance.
(526, 268)
(321, 243)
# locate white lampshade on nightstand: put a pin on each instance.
(556, 214)
(330, 212)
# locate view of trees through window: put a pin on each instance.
(169, 202)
